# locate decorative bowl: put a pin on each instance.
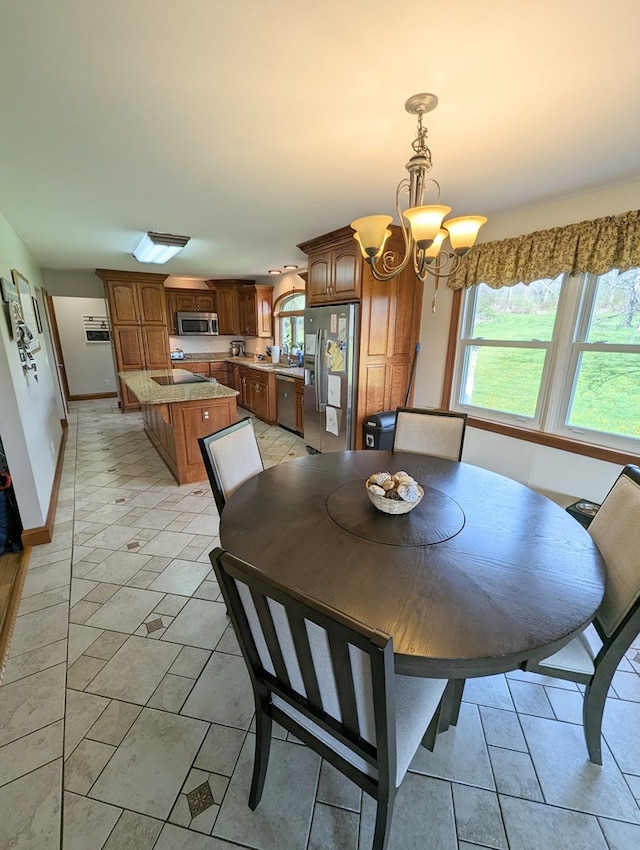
(392, 506)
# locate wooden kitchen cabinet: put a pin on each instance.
(257, 390)
(195, 301)
(172, 322)
(255, 304)
(390, 315)
(132, 300)
(198, 367)
(138, 316)
(209, 368)
(188, 301)
(221, 372)
(244, 308)
(258, 395)
(235, 377)
(335, 268)
(228, 308)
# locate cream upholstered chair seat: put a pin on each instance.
(231, 456)
(433, 432)
(330, 681)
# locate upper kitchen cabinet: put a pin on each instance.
(243, 308)
(138, 314)
(335, 268)
(256, 310)
(134, 297)
(188, 301)
(194, 300)
(228, 308)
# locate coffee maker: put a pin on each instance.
(236, 348)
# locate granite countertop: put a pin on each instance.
(262, 365)
(268, 366)
(148, 392)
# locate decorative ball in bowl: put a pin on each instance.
(393, 494)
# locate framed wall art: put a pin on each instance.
(8, 289)
(28, 312)
(36, 313)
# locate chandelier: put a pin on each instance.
(425, 234)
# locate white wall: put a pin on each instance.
(88, 365)
(537, 466)
(29, 409)
(85, 284)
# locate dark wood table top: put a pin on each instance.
(483, 574)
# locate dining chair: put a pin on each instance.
(433, 432)
(231, 456)
(592, 658)
(330, 681)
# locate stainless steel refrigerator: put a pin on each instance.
(331, 369)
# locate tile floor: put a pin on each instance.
(126, 712)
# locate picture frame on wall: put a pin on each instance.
(27, 299)
(8, 289)
(36, 313)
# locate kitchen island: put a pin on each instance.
(176, 413)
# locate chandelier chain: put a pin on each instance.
(420, 146)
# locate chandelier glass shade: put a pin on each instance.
(424, 227)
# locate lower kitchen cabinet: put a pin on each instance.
(198, 367)
(221, 372)
(259, 395)
(174, 430)
(257, 391)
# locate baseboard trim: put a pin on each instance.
(44, 534)
(8, 622)
(91, 396)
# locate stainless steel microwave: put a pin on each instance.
(197, 324)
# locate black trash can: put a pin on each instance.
(379, 429)
(584, 511)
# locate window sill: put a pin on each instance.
(555, 442)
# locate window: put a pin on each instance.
(560, 356)
(290, 321)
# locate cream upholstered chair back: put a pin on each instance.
(330, 681)
(432, 432)
(231, 456)
(616, 531)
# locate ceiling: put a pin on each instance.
(253, 126)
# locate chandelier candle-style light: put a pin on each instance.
(426, 231)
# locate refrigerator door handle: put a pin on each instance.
(321, 384)
(316, 366)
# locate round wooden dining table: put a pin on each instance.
(481, 576)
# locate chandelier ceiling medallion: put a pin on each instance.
(425, 234)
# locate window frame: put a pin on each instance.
(280, 314)
(559, 377)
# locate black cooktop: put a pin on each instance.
(177, 377)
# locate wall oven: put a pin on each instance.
(197, 324)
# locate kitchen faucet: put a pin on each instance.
(284, 349)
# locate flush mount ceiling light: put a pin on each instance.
(159, 247)
(275, 271)
(289, 268)
(426, 231)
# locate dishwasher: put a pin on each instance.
(286, 401)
